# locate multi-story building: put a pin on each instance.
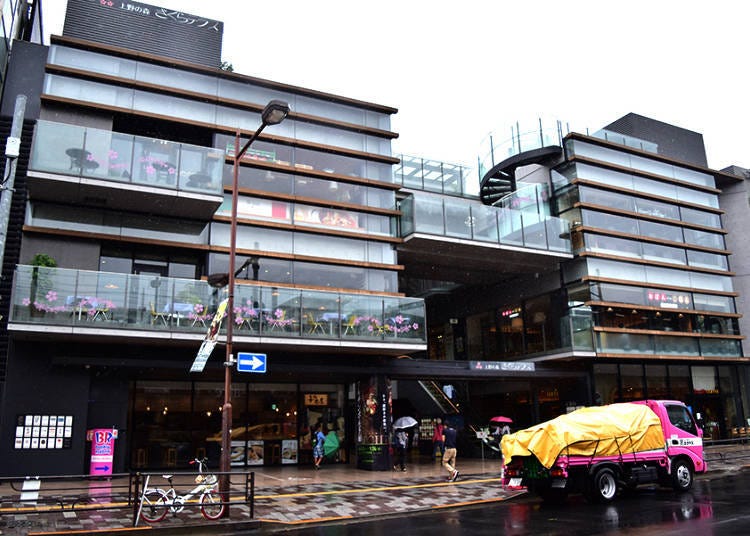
(128, 188)
(20, 19)
(653, 268)
(579, 269)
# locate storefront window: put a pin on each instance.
(510, 331)
(632, 382)
(656, 381)
(679, 382)
(732, 404)
(605, 382)
(162, 425)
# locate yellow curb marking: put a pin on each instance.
(371, 490)
(122, 529)
(302, 521)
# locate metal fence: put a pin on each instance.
(118, 494)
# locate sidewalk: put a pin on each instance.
(293, 495)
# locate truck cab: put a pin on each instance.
(683, 437)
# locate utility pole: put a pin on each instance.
(12, 150)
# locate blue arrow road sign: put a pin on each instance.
(247, 362)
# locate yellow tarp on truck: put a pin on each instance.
(596, 431)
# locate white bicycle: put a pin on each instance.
(156, 502)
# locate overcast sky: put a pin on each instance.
(459, 70)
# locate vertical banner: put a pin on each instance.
(210, 341)
(102, 450)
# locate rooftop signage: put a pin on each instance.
(146, 28)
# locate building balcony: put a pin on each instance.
(92, 167)
(471, 220)
(59, 302)
(467, 242)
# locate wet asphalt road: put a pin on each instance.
(716, 507)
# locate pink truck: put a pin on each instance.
(600, 450)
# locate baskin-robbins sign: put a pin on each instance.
(102, 450)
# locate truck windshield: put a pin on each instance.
(680, 417)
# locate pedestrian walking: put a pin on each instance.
(449, 454)
(400, 441)
(318, 452)
(437, 439)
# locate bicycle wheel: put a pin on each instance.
(211, 506)
(154, 505)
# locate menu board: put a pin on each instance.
(36, 432)
(288, 451)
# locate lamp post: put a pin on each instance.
(273, 114)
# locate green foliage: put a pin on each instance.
(226, 66)
(42, 259)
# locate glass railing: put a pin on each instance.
(628, 141)
(474, 221)
(497, 148)
(65, 297)
(662, 345)
(531, 197)
(542, 133)
(102, 154)
(419, 173)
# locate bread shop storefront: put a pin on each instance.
(172, 422)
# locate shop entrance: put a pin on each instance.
(712, 417)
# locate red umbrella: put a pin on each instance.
(500, 418)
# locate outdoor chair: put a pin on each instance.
(156, 316)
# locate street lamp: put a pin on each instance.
(273, 114)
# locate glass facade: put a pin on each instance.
(135, 100)
(211, 86)
(655, 255)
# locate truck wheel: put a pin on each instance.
(604, 485)
(682, 475)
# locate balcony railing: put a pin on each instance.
(102, 154)
(419, 173)
(663, 345)
(65, 297)
(530, 135)
(458, 218)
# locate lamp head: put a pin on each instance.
(275, 112)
